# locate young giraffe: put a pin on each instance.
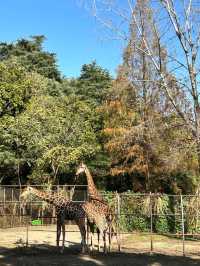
(96, 199)
(68, 210)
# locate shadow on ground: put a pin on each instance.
(50, 256)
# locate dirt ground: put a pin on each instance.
(135, 249)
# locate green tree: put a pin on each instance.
(31, 56)
(93, 83)
(17, 88)
(52, 134)
(14, 88)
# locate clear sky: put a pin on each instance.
(71, 32)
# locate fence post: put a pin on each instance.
(20, 213)
(197, 216)
(12, 197)
(86, 197)
(118, 222)
(31, 208)
(183, 226)
(27, 231)
(151, 220)
(4, 197)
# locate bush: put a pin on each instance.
(135, 212)
(162, 225)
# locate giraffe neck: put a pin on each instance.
(64, 208)
(46, 196)
(92, 190)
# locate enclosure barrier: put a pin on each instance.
(144, 218)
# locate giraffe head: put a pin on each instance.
(81, 168)
(26, 193)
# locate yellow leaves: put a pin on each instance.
(127, 153)
(117, 171)
(115, 131)
(109, 131)
(115, 104)
(129, 169)
(112, 146)
(133, 150)
(138, 166)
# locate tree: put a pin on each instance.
(31, 56)
(52, 134)
(14, 88)
(142, 140)
(92, 86)
(46, 127)
(17, 88)
(93, 83)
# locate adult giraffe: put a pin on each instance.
(97, 200)
(68, 210)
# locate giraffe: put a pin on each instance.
(94, 195)
(68, 210)
(96, 199)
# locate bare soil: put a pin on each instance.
(135, 249)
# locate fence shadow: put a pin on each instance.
(49, 255)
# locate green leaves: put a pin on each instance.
(93, 83)
(32, 57)
(47, 125)
(14, 88)
(53, 133)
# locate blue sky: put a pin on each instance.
(71, 32)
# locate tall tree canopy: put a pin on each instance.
(145, 136)
(126, 128)
(49, 136)
(31, 55)
(93, 83)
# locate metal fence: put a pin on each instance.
(14, 213)
(165, 222)
(145, 222)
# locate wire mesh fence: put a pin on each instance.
(158, 222)
(14, 213)
(145, 222)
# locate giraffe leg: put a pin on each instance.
(118, 241)
(109, 238)
(98, 236)
(104, 242)
(63, 240)
(91, 241)
(103, 234)
(91, 228)
(112, 232)
(82, 227)
(87, 233)
(58, 233)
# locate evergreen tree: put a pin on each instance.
(30, 54)
(93, 83)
